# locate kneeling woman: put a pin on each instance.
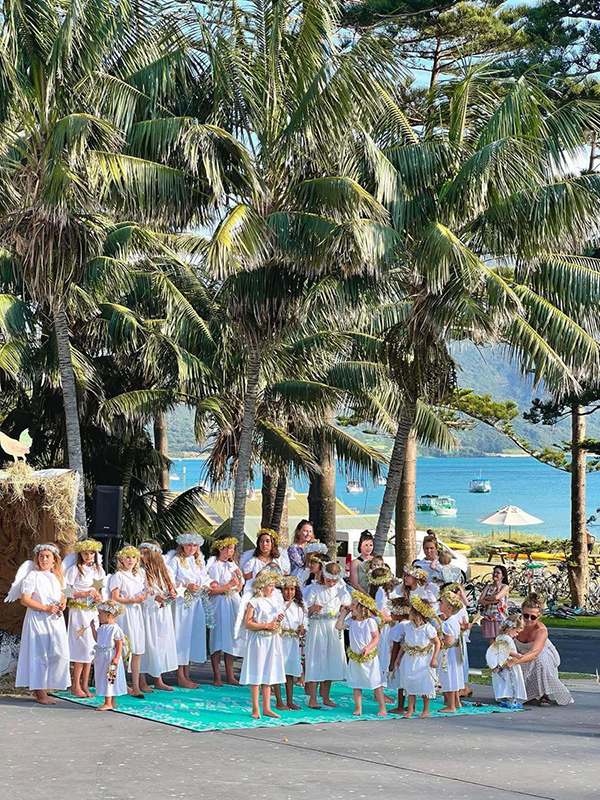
(264, 664)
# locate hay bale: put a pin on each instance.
(34, 507)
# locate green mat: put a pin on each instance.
(210, 709)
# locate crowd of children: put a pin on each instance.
(154, 614)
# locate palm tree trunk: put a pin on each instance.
(69, 391)
(579, 571)
(315, 503)
(405, 508)
(161, 445)
(238, 516)
(279, 503)
(328, 498)
(267, 499)
(407, 419)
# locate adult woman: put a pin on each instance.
(358, 575)
(430, 563)
(265, 554)
(494, 599)
(539, 659)
(303, 534)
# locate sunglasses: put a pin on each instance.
(530, 616)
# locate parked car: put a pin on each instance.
(348, 550)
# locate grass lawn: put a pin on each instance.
(485, 677)
(580, 623)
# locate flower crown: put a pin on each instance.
(398, 605)
(417, 573)
(150, 546)
(87, 546)
(363, 599)
(270, 532)
(315, 548)
(129, 551)
(451, 598)
(107, 607)
(382, 579)
(190, 538)
(221, 544)
(422, 607)
(46, 546)
(330, 575)
(264, 578)
(289, 581)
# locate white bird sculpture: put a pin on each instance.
(16, 449)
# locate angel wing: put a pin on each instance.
(498, 654)
(14, 593)
(169, 557)
(69, 561)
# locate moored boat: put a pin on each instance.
(480, 486)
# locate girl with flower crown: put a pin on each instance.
(400, 611)
(84, 575)
(266, 554)
(228, 582)
(44, 653)
(160, 655)
(325, 657)
(293, 631)
(451, 675)
(189, 614)
(109, 672)
(420, 648)
(128, 588)
(382, 586)
(364, 670)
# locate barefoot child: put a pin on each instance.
(109, 672)
(263, 662)
(325, 658)
(399, 609)
(508, 683)
(84, 576)
(315, 555)
(364, 671)
(451, 668)
(419, 660)
(160, 655)
(127, 587)
(382, 584)
(44, 653)
(293, 630)
(227, 578)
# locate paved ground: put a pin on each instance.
(69, 752)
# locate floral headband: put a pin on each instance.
(265, 577)
(422, 607)
(364, 600)
(221, 544)
(87, 546)
(150, 546)
(382, 579)
(330, 575)
(313, 548)
(110, 609)
(289, 581)
(417, 573)
(190, 538)
(269, 532)
(128, 551)
(47, 546)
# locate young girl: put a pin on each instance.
(358, 567)
(382, 584)
(325, 658)
(109, 672)
(315, 555)
(420, 647)
(227, 583)
(415, 580)
(85, 578)
(44, 654)
(451, 669)
(189, 615)
(293, 631)
(494, 599)
(508, 683)
(364, 670)
(266, 553)
(127, 587)
(160, 654)
(263, 663)
(400, 611)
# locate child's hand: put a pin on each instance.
(433, 663)
(97, 597)
(193, 587)
(53, 609)
(62, 603)
(272, 626)
(139, 598)
(316, 608)
(114, 661)
(280, 618)
(172, 594)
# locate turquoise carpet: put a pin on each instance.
(210, 709)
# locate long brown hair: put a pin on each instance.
(80, 563)
(56, 567)
(157, 574)
(274, 549)
(299, 527)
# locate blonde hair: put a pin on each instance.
(183, 558)
(157, 574)
(444, 557)
(512, 621)
(534, 600)
(331, 566)
(121, 567)
(56, 566)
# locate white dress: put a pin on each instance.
(367, 675)
(226, 610)
(325, 656)
(254, 565)
(104, 652)
(294, 619)
(463, 616)
(397, 634)
(416, 676)
(81, 646)
(381, 598)
(263, 661)
(44, 654)
(189, 616)
(508, 682)
(160, 654)
(132, 620)
(450, 667)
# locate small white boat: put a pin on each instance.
(381, 481)
(480, 485)
(175, 478)
(354, 487)
(427, 502)
(445, 507)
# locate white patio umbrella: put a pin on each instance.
(509, 516)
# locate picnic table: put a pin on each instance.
(495, 550)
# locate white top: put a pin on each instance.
(330, 598)
(419, 637)
(189, 572)
(83, 581)
(294, 617)
(108, 633)
(43, 586)
(222, 571)
(128, 584)
(381, 598)
(361, 632)
(398, 632)
(266, 609)
(451, 626)
(256, 565)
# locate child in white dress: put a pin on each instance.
(228, 581)
(364, 671)
(44, 653)
(293, 631)
(325, 657)
(382, 586)
(400, 610)
(189, 612)
(451, 674)
(508, 682)
(109, 672)
(315, 555)
(128, 587)
(84, 579)
(160, 654)
(420, 647)
(263, 662)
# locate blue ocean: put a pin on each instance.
(536, 488)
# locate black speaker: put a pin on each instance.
(108, 511)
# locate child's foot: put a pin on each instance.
(255, 714)
(388, 699)
(382, 713)
(407, 714)
(218, 683)
(163, 687)
(329, 703)
(269, 713)
(282, 707)
(232, 682)
(446, 710)
(424, 715)
(44, 700)
(144, 687)
(357, 713)
(186, 684)
(78, 693)
(138, 695)
(316, 706)
(293, 707)
(88, 693)
(396, 710)
(104, 707)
